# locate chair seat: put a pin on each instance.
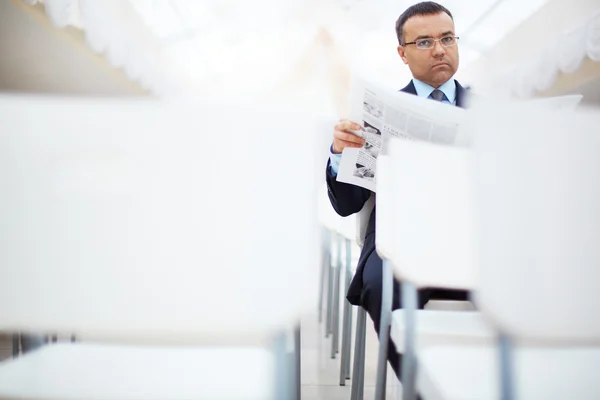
(472, 373)
(102, 372)
(450, 305)
(434, 327)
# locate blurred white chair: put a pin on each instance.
(425, 231)
(340, 233)
(328, 220)
(347, 233)
(384, 246)
(124, 220)
(334, 234)
(362, 220)
(538, 220)
(325, 265)
(338, 230)
(358, 374)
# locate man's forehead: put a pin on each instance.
(429, 25)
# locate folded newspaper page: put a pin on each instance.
(384, 114)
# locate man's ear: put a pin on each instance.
(402, 55)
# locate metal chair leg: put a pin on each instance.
(358, 375)
(350, 309)
(409, 358)
(507, 383)
(324, 269)
(335, 343)
(347, 320)
(361, 381)
(349, 343)
(330, 280)
(346, 333)
(298, 363)
(387, 294)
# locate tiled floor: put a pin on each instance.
(320, 373)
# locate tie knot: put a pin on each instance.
(437, 95)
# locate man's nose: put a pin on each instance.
(438, 50)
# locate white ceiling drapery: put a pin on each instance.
(223, 53)
(248, 50)
(562, 54)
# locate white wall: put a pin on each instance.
(37, 57)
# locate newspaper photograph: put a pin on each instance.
(383, 114)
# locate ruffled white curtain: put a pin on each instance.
(61, 12)
(242, 50)
(565, 54)
(113, 28)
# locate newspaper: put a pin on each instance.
(384, 114)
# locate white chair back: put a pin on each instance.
(538, 196)
(327, 215)
(384, 224)
(146, 219)
(347, 228)
(362, 220)
(432, 214)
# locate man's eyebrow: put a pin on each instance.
(429, 36)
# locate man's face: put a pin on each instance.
(433, 66)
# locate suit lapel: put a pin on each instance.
(460, 95)
(410, 88)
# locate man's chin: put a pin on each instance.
(442, 77)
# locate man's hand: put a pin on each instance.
(343, 137)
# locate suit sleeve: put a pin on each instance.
(346, 199)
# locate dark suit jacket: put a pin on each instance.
(348, 199)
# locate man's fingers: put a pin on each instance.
(350, 144)
(342, 137)
(347, 126)
(340, 145)
(348, 137)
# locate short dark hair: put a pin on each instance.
(423, 8)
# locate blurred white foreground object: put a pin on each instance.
(537, 186)
(157, 224)
(426, 229)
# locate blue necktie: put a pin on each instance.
(437, 95)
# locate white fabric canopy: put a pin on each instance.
(250, 49)
(561, 54)
(236, 53)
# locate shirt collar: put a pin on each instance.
(424, 90)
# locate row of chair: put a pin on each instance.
(348, 234)
(162, 236)
(343, 236)
(516, 220)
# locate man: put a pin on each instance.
(428, 45)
